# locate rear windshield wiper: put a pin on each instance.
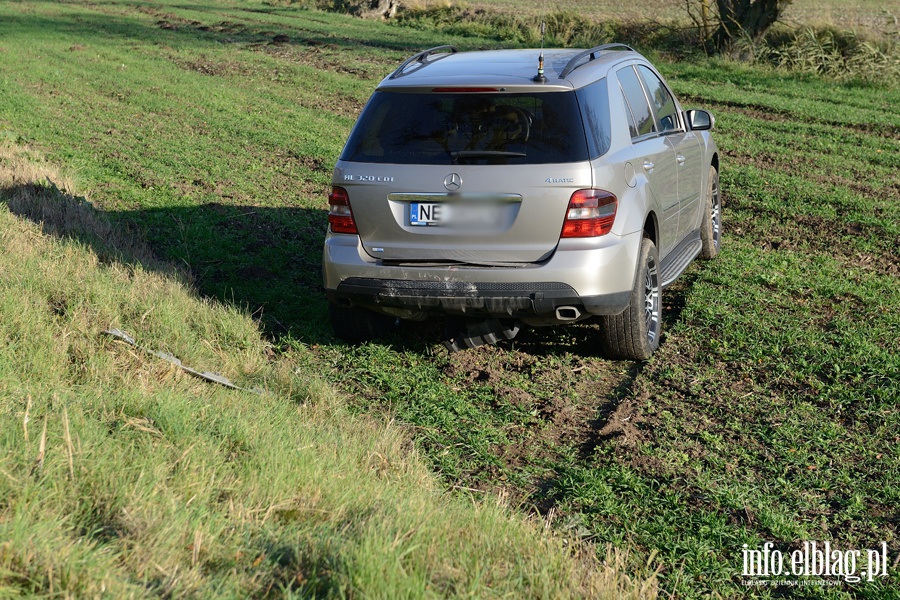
(487, 154)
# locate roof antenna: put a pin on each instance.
(539, 78)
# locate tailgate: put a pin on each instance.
(479, 214)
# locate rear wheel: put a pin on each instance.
(354, 324)
(711, 228)
(634, 334)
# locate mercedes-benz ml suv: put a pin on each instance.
(520, 186)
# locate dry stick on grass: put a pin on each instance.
(198, 539)
(39, 461)
(25, 420)
(70, 449)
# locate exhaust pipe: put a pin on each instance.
(567, 313)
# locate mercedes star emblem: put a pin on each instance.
(452, 182)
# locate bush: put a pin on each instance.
(833, 53)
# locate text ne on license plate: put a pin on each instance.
(427, 213)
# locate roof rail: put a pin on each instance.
(593, 52)
(421, 57)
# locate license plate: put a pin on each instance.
(427, 213)
(455, 215)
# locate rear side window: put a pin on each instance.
(594, 103)
(446, 128)
(637, 101)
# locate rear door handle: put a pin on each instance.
(648, 166)
(680, 159)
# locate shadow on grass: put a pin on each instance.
(267, 261)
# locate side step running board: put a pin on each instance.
(680, 259)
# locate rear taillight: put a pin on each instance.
(340, 217)
(590, 213)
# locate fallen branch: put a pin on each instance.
(208, 376)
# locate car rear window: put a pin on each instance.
(470, 128)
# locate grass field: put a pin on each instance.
(769, 414)
(120, 475)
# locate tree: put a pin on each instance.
(734, 19)
(384, 9)
(370, 9)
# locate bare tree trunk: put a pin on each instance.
(702, 15)
(367, 9)
(750, 18)
(384, 9)
(704, 19)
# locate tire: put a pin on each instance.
(634, 334)
(711, 227)
(354, 324)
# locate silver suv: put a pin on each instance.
(485, 187)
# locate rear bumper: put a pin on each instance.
(513, 300)
(595, 276)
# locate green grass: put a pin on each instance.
(121, 476)
(767, 415)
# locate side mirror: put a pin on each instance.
(700, 120)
